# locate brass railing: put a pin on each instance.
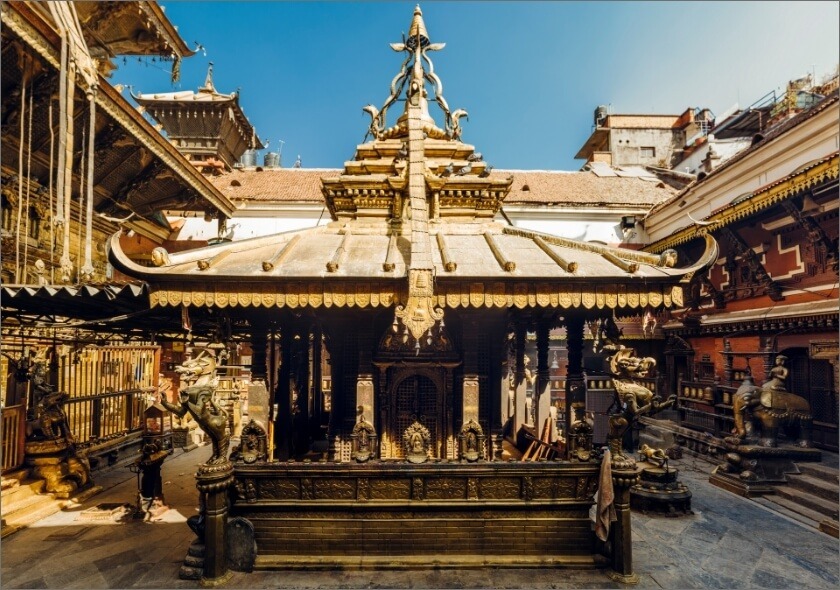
(94, 370)
(93, 418)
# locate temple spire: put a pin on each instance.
(417, 69)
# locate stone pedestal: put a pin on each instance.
(752, 470)
(620, 533)
(660, 491)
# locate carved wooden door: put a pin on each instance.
(415, 398)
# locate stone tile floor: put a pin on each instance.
(729, 542)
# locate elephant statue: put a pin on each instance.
(760, 412)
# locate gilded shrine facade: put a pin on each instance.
(421, 301)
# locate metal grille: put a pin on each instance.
(416, 400)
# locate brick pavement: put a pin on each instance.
(729, 542)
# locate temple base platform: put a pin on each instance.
(437, 514)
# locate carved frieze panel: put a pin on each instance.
(335, 489)
(545, 487)
(278, 489)
(499, 488)
(390, 489)
(446, 488)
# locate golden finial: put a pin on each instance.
(417, 30)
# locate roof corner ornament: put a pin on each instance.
(417, 46)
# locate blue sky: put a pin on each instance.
(529, 73)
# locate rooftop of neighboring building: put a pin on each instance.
(759, 142)
(619, 188)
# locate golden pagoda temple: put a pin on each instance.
(420, 299)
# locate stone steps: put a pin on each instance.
(27, 511)
(820, 471)
(826, 507)
(814, 486)
(18, 490)
(810, 497)
(791, 509)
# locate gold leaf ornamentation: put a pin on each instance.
(520, 295)
(499, 295)
(476, 294)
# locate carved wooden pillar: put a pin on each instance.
(283, 398)
(317, 393)
(301, 366)
(520, 384)
(542, 391)
(499, 385)
(575, 377)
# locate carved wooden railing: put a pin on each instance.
(14, 424)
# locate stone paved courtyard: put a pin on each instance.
(729, 542)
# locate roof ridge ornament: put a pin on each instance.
(208, 80)
(416, 45)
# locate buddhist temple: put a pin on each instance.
(208, 127)
(421, 301)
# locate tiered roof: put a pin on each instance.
(415, 204)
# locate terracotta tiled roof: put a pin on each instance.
(584, 189)
(530, 187)
(289, 185)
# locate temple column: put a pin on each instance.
(575, 377)
(365, 391)
(520, 384)
(283, 399)
(499, 385)
(301, 376)
(620, 531)
(317, 393)
(213, 482)
(258, 397)
(470, 392)
(542, 389)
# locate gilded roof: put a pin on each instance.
(530, 187)
(375, 250)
